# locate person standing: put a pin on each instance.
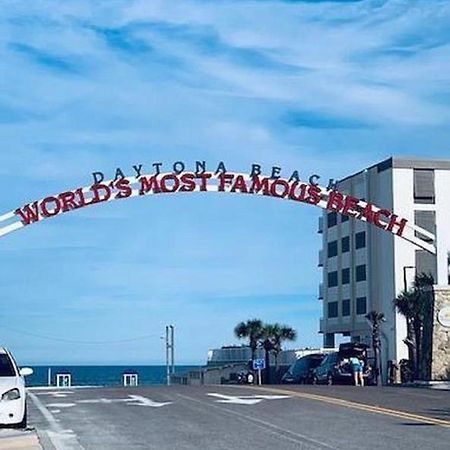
(357, 369)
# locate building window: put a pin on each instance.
(332, 309)
(346, 307)
(331, 219)
(361, 305)
(427, 221)
(424, 186)
(332, 249)
(360, 239)
(345, 243)
(346, 276)
(426, 263)
(361, 273)
(344, 218)
(332, 279)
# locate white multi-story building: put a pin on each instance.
(365, 268)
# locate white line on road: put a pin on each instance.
(143, 401)
(268, 427)
(60, 405)
(60, 438)
(245, 399)
(134, 400)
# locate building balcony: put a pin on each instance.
(321, 291)
(320, 228)
(320, 262)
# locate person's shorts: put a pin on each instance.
(357, 369)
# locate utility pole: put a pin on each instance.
(170, 352)
(172, 348)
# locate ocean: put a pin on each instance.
(102, 375)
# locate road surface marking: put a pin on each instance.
(143, 401)
(60, 438)
(60, 405)
(245, 399)
(55, 393)
(361, 406)
(134, 400)
(267, 427)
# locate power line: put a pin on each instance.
(73, 341)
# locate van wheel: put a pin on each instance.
(329, 379)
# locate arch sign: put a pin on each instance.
(221, 181)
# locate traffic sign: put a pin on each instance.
(259, 364)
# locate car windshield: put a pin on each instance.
(6, 366)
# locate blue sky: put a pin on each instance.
(318, 86)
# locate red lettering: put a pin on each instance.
(367, 212)
(124, 188)
(377, 215)
(300, 197)
(224, 180)
(279, 182)
(335, 201)
(82, 199)
(393, 222)
(97, 190)
(188, 182)
(149, 184)
(350, 204)
(28, 213)
(171, 187)
(44, 206)
(67, 200)
(240, 185)
(204, 181)
(314, 195)
(259, 184)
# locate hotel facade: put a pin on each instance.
(365, 268)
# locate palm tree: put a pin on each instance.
(281, 333)
(376, 318)
(253, 330)
(273, 337)
(405, 303)
(416, 305)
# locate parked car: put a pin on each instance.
(13, 410)
(301, 372)
(336, 368)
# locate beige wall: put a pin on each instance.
(440, 365)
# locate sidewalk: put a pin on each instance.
(19, 440)
(442, 385)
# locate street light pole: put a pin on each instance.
(167, 356)
(172, 349)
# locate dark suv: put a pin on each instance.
(336, 368)
(301, 371)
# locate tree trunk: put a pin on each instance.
(412, 348)
(418, 339)
(267, 357)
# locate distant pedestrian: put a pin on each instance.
(357, 369)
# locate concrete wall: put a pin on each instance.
(440, 365)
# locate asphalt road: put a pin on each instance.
(227, 417)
